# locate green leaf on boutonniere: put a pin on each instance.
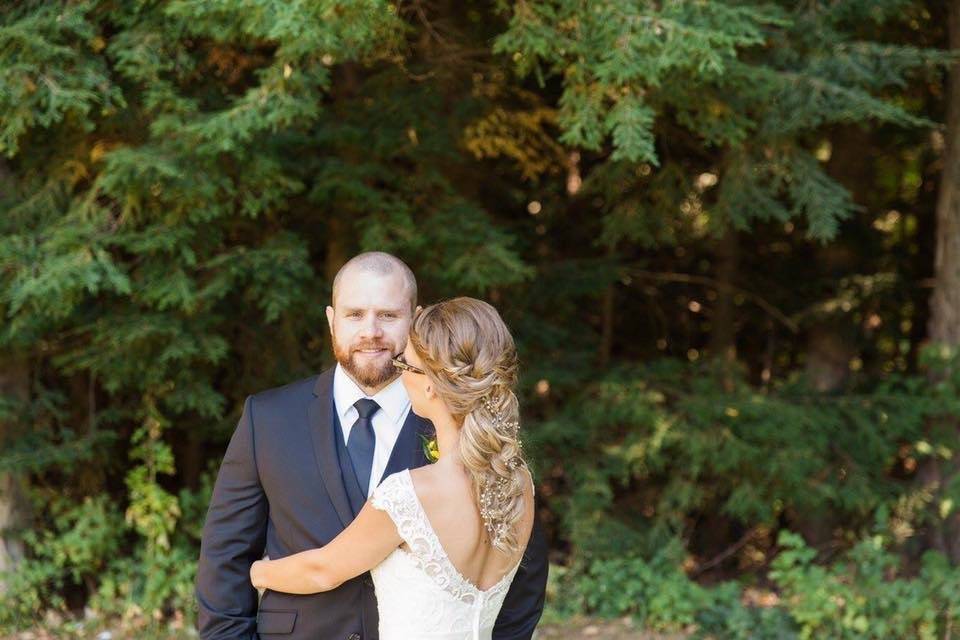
(430, 449)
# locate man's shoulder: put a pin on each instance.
(292, 391)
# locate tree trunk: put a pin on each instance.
(345, 88)
(607, 318)
(723, 331)
(831, 340)
(944, 325)
(190, 458)
(12, 520)
(15, 384)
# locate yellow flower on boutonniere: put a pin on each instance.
(430, 448)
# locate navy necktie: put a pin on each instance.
(362, 440)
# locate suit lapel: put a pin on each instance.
(323, 433)
(408, 451)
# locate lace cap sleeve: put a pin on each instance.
(395, 496)
(388, 495)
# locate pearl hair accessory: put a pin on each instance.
(490, 496)
(493, 493)
(508, 427)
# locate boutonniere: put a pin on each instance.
(430, 449)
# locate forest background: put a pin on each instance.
(725, 234)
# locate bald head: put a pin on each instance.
(381, 264)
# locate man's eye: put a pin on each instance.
(355, 314)
(389, 315)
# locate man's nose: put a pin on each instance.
(371, 328)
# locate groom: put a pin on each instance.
(302, 462)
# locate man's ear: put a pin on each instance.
(417, 310)
(330, 318)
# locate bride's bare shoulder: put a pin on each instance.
(423, 474)
(425, 480)
(433, 482)
(432, 479)
(438, 485)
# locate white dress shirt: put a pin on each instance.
(387, 421)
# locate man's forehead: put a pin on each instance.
(360, 306)
(382, 291)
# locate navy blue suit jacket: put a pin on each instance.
(280, 491)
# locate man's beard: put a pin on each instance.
(367, 375)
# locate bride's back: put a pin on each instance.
(447, 500)
(460, 371)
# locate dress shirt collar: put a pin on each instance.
(393, 399)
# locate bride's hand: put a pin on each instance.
(256, 574)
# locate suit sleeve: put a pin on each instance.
(524, 602)
(234, 535)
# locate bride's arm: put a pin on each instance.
(361, 546)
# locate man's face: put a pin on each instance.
(369, 322)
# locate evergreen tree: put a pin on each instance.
(703, 221)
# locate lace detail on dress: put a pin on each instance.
(420, 593)
(397, 497)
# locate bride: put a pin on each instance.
(442, 542)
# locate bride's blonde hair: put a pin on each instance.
(469, 355)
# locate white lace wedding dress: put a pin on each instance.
(420, 594)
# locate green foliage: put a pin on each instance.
(866, 596)
(49, 72)
(659, 596)
(656, 592)
(44, 446)
(863, 595)
(78, 546)
(697, 447)
(181, 179)
(154, 584)
(747, 77)
(81, 547)
(153, 512)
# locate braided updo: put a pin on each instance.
(470, 357)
